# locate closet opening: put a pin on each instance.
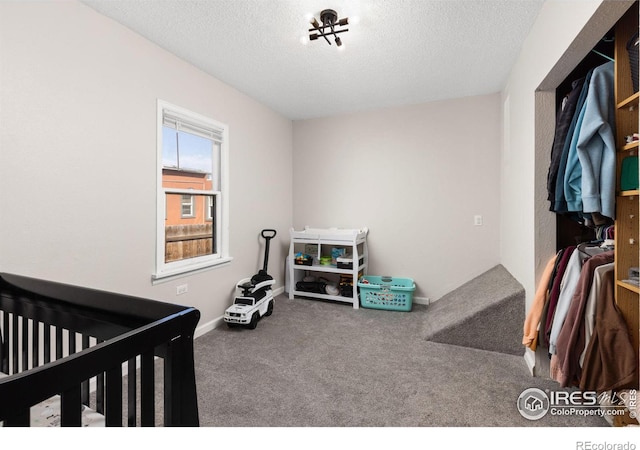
(603, 36)
(586, 332)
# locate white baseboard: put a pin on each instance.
(278, 291)
(209, 326)
(422, 300)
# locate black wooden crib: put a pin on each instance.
(69, 353)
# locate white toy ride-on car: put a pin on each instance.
(256, 298)
(248, 307)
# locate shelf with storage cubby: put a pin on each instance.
(627, 223)
(629, 286)
(629, 102)
(321, 242)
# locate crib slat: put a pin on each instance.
(85, 384)
(72, 342)
(47, 343)
(131, 392)
(14, 343)
(35, 345)
(147, 388)
(100, 393)
(58, 342)
(113, 416)
(25, 343)
(172, 380)
(4, 351)
(71, 408)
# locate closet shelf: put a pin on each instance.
(630, 146)
(631, 287)
(632, 193)
(629, 101)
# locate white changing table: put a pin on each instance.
(322, 240)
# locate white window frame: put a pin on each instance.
(164, 270)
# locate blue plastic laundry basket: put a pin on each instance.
(390, 293)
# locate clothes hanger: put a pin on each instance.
(594, 248)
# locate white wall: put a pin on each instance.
(563, 34)
(415, 176)
(78, 156)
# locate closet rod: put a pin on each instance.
(603, 55)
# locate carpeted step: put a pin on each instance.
(486, 313)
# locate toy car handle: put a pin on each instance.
(245, 283)
(263, 284)
(267, 234)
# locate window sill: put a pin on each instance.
(168, 275)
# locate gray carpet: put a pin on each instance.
(321, 364)
(485, 313)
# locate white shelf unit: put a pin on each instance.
(354, 241)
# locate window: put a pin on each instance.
(192, 229)
(187, 206)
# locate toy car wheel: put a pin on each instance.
(269, 309)
(254, 321)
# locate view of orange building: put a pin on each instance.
(187, 209)
(189, 218)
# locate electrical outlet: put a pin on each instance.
(182, 289)
(477, 220)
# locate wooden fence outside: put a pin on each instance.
(188, 241)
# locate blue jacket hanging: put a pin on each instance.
(596, 148)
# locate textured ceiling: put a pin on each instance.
(396, 52)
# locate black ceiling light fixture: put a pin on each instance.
(330, 22)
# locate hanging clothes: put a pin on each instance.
(572, 182)
(569, 284)
(581, 177)
(596, 147)
(590, 307)
(539, 339)
(571, 339)
(559, 203)
(562, 130)
(532, 321)
(547, 314)
(610, 362)
(589, 343)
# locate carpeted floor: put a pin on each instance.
(486, 313)
(321, 364)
